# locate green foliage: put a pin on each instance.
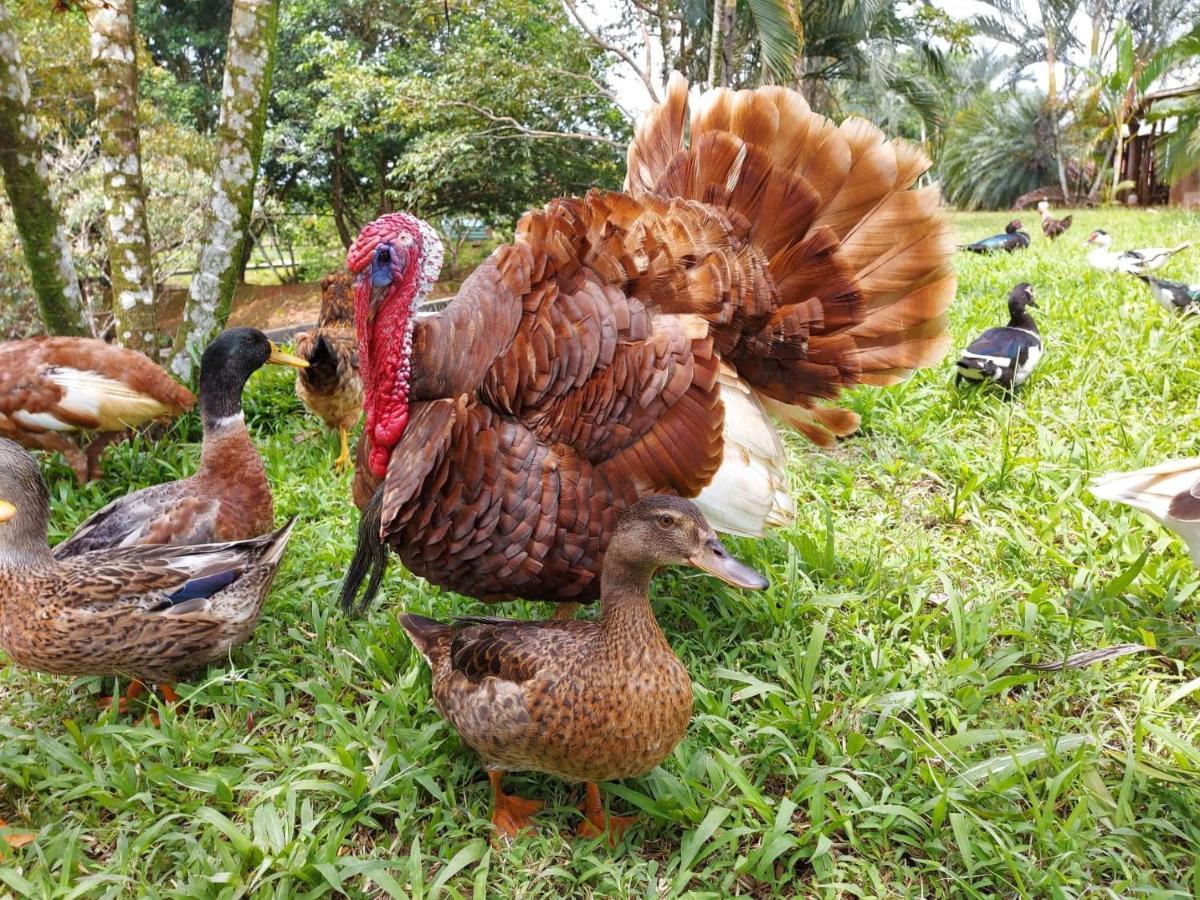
(996, 149)
(465, 121)
(187, 42)
(864, 727)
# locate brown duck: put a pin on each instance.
(149, 614)
(583, 700)
(228, 498)
(52, 388)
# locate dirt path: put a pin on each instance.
(270, 307)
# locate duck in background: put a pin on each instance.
(150, 614)
(1132, 262)
(1168, 493)
(583, 700)
(53, 387)
(1012, 239)
(1174, 296)
(1007, 355)
(229, 498)
(1052, 227)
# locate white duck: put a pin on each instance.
(1168, 492)
(1132, 262)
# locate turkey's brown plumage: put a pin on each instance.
(632, 343)
(331, 388)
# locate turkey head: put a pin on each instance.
(395, 262)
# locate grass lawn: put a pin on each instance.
(864, 728)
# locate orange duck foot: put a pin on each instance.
(17, 840)
(596, 824)
(135, 690)
(511, 814)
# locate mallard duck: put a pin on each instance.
(1174, 296)
(1007, 355)
(583, 700)
(53, 387)
(1052, 227)
(1168, 492)
(1014, 238)
(228, 499)
(150, 614)
(1132, 262)
(331, 387)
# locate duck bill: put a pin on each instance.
(714, 559)
(7, 511)
(279, 358)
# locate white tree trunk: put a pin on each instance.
(247, 86)
(35, 212)
(114, 69)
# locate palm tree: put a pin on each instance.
(1121, 92)
(1047, 38)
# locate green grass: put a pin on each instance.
(864, 728)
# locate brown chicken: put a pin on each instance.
(330, 388)
(639, 342)
(1052, 227)
(53, 387)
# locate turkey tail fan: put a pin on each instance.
(369, 562)
(856, 261)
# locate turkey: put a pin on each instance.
(330, 387)
(640, 342)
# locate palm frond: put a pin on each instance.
(778, 37)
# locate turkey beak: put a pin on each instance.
(7, 511)
(382, 276)
(279, 358)
(714, 559)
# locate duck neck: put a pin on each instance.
(625, 599)
(23, 544)
(222, 417)
(1023, 320)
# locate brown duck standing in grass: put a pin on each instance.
(150, 614)
(54, 387)
(584, 700)
(229, 498)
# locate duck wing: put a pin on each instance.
(160, 514)
(157, 578)
(511, 649)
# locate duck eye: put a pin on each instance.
(666, 521)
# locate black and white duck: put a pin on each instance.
(1012, 239)
(1007, 355)
(1174, 296)
(1132, 262)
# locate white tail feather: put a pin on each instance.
(1149, 490)
(111, 403)
(750, 491)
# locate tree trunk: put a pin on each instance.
(248, 62)
(664, 38)
(1118, 161)
(714, 45)
(337, 196)
(729, 33)
(47, 253)
(1052, 105)
(114, 69)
